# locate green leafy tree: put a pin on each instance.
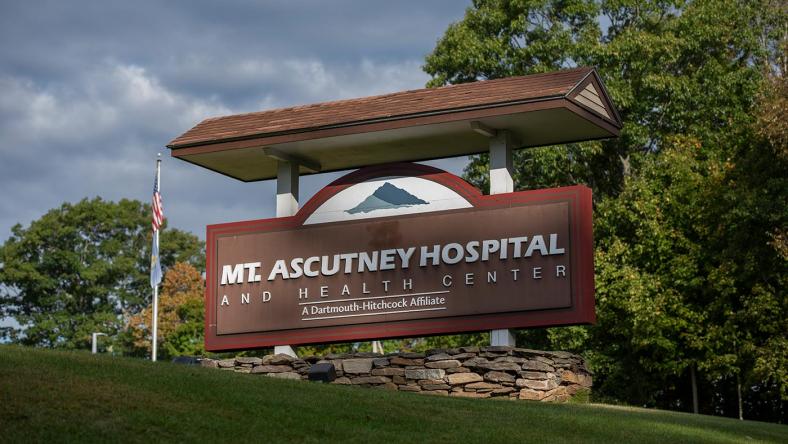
(181, 315)
(82, 268)
(690, 200)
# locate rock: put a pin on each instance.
(311, 359)
(370, 380)
(559, 354)
(534, 375)
(461, 356)
(380, 362)
(514, 359)
(475, 362)
(241, 360)
(438, 357)
(531, 395)
(431, 387)
(570, 377)
(357, 366)
(503, 391)
(366, 355)
(472, 349)
(427, 373)
(278, 359)
(585, 380)
(388, 371)
(243, 370)
(272, 369)
(534, 384)
(399, 379)
(389, 386)
(453, 351)
(526, 352)
(337, 364)
(226, 363)
(495, 376)
(209, 363)
(409, 388)
(405, 361)
(451, 363)
(557, 394)
(539, 366)
(458, 370)
(412, 355)
(482, 386)
(284, 375)
(499, 366)
(547, 361)
(497, 349)
(464, 378)
(469, 394)
(342, 381)
(333, 356)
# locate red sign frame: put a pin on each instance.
(581, 311)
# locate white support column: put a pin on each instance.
(286, 189)
(501, 181)
(501, 163)
(286, 205)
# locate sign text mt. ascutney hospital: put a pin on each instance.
(517, 260)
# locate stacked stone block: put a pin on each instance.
(469, 372)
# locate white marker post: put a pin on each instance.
(94, 346)
(501, 181)
(287, 181)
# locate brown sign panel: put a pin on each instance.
(505, 261)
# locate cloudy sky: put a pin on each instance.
(90, 91)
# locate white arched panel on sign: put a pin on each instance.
(387, 196)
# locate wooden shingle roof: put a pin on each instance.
(298, 130)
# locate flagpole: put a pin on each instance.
(155, 320)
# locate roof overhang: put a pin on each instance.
(248, 147)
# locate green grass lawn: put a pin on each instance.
(78, 397)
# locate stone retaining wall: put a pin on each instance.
(470, 372)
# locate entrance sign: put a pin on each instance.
(397, 249)
(401, 250)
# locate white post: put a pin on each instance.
(286, 205)
(155, 320)
(501, 181)
(286, 189)
(94, 346)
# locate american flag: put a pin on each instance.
(158, 219)
(158, 210)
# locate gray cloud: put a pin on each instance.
(90, 91)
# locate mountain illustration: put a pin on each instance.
(385, 197)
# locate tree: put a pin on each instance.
(690, 200)
(82, 268)
(181, 314)
(670, 67)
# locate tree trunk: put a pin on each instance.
(694, 389)
(738, 393)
